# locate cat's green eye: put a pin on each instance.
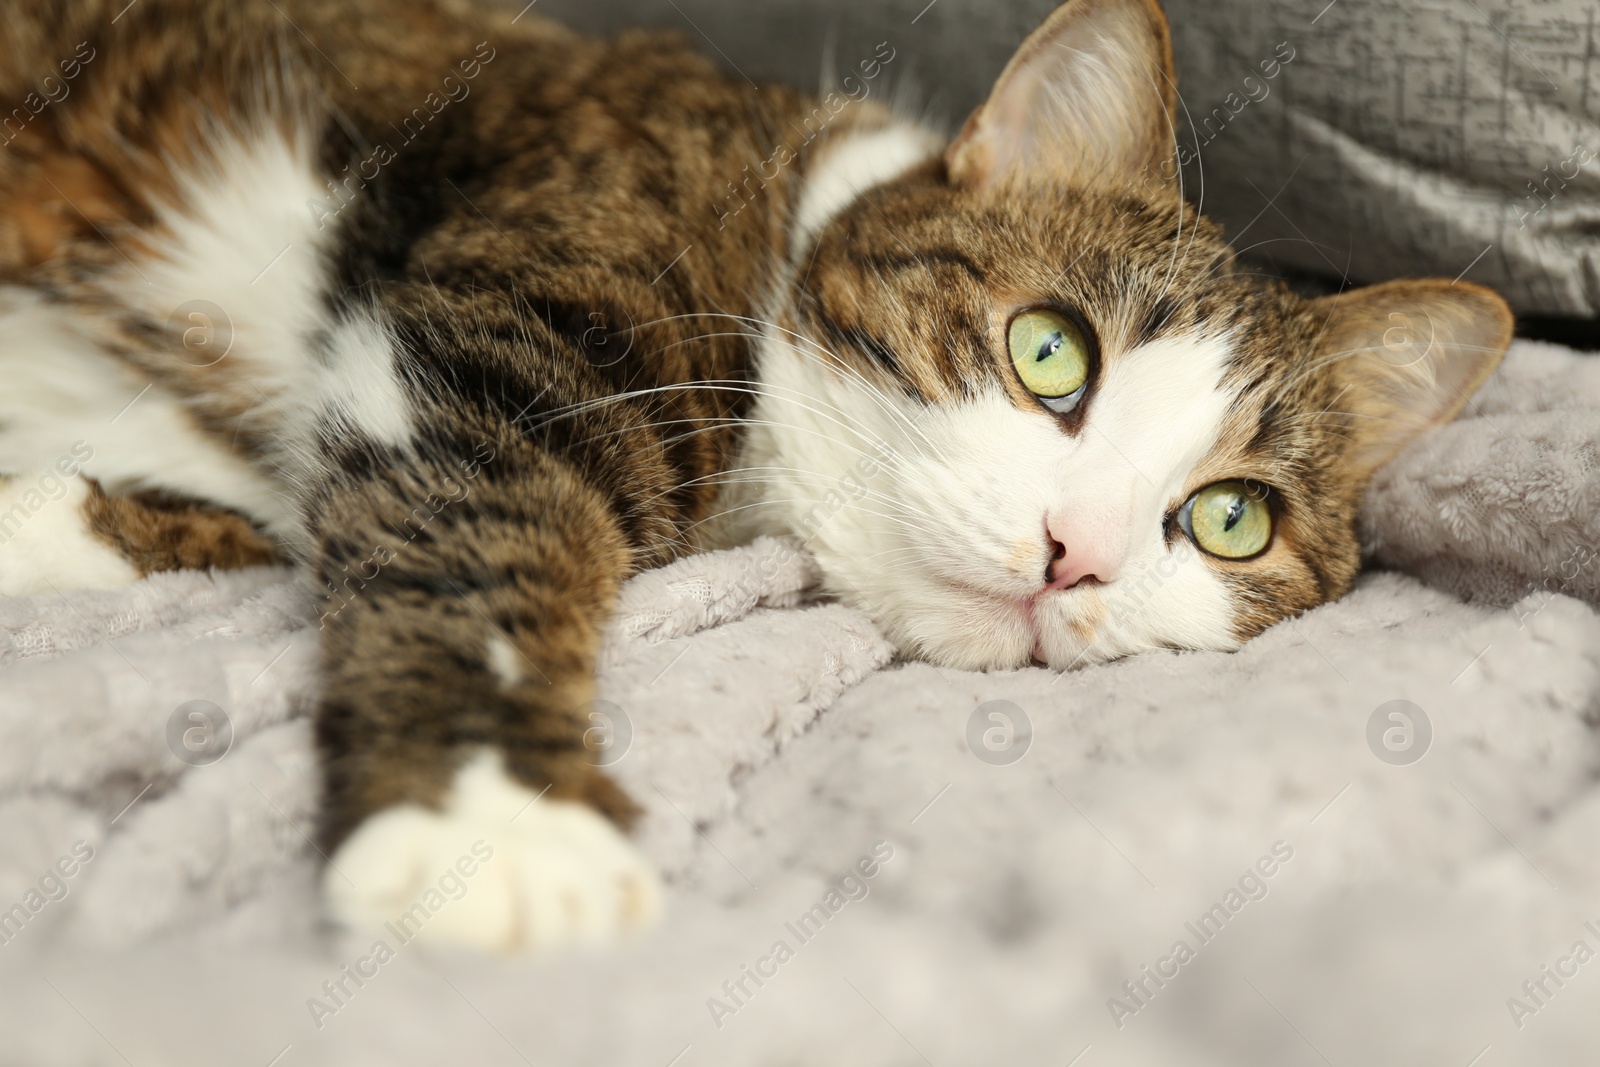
(1229, 519)
(1051, 356)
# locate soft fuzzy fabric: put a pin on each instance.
(775, 741)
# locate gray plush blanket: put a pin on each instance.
(1370, 837)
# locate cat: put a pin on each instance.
(472, 317)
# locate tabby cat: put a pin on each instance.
(474, 317)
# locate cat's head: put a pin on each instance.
(1023, 403)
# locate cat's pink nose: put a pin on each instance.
(1076, 556)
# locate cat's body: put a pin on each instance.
(475, 318)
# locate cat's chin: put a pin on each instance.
(956, 624)
(952, 624)
(959, 626)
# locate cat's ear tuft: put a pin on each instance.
(1088, 97)
(1408, 355)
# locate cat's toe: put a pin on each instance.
(499, 869)
(575, 879)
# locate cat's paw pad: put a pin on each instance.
(498, 870)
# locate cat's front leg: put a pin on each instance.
(464, 609)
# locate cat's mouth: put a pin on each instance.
(1080, 617)
(1040, 656)
(1044, 620)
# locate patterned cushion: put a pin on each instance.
(1368, 138)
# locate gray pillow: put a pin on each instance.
(1362, 138)
(1404, 138)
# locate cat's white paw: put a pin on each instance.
(46, 545)
(498, 869)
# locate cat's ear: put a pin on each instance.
(1407, 355)
(1088, 97)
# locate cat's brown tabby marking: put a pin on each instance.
(456, 306)
(158, 532)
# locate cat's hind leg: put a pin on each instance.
(74, 418)
(60, 531)
(47, 543)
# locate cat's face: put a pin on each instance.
(1032, 410)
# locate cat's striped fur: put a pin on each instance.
(490, 337)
